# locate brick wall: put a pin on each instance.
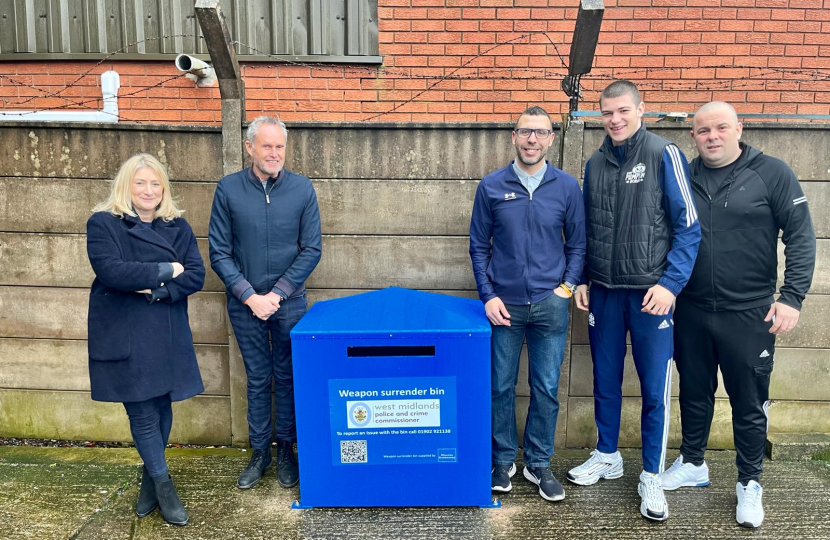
(765, 56)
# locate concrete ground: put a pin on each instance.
(89, 493)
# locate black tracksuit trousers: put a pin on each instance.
(741, 344)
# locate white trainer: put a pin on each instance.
(653, 505)
(599, 465)
(750, 511)
(682, 474)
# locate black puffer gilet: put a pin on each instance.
(629, 233)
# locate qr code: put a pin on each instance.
(353, 452)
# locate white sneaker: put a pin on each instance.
(750, 511)
(653, 505)
(682, 474)
(599, 465)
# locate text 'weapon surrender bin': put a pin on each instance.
(392, 393)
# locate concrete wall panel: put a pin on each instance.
(374, 262)
(51, 312)
(805, 148)
(50, 364)
(73, 415)
(818, 197)
(96, 151)
(419, 207)
(799, 374)
(462, 151)
(399, 207)
(371, 262)
(582, 431)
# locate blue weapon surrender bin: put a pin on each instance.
(392, 393)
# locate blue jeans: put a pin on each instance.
(545, 324)
(150, 423)
(266, 353)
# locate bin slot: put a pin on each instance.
(385, 350)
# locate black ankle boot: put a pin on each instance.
(288, 473)
(147, 496)
(171, 506)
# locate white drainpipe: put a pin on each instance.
(110, 83)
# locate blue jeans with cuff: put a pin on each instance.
(545, 325)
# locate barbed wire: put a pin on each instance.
(672, 78)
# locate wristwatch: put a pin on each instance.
(569, 287)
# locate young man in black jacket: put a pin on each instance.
(727, 315)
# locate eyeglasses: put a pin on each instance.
(541, 134)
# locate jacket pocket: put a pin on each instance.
(108, 327)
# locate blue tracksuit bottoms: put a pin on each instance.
(613, 313)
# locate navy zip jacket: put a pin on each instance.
(264, 239)
(516, 240)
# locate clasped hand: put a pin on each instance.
(264, 305)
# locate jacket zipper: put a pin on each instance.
(711, 243)
(267, 229)
(529, 243)
(616, 214)
(727, 182)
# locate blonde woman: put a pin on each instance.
(146, 264)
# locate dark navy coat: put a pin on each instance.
(140, 349)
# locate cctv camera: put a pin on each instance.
(200, 72)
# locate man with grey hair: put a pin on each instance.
(727, 315)
(264, 243)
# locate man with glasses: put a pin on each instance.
(527, 245)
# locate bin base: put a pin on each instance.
(297, 505)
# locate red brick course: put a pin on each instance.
(496, 57)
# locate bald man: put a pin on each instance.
(727, 315)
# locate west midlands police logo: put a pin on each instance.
(360, 414)
(636, 175)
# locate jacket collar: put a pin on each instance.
(631, 144)
(254, 178)
(550, 173)
(160, 233)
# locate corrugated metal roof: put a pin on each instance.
(312, 29)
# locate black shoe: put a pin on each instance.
(289, 474)
(252, 474)
(549, 487)
(147, 496)
(500, 477)
(171, 506)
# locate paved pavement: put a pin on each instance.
(89, 493)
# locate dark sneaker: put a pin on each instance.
(288, 473)
(549, 487)
(500, 477)
(252, 474)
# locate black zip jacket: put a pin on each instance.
(737, 263)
